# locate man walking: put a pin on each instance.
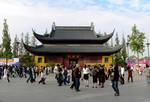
(30, 78)
(77, 78)
(115, 80)
(73, 77)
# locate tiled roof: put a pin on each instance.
(48, 49)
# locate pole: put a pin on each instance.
(148, 49)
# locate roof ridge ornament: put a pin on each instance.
(53, 26)
(92, 26)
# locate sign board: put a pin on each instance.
(12, 61)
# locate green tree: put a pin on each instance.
(124, 50)
(136, 41)
(33, 41)
(15, 46)
(21, 47)
(27, 42)
(6, 41)
(1, 52)
(120, 57)
(117, 56)
(27, 59)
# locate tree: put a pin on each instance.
(26, 59)
(27, 42)
(111, 42)
(117, 40)
(1, 52)
(117, 56)
(124, 51)
(33, 41)
(21, 47)
(6, 41)
(15, 47)
(120, 57)
(136, 41)
(106, 43)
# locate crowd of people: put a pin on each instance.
(31, 73)
(98, 73)
(75, 73)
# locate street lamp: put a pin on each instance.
(148, 48)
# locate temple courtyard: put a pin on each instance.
(19, 91)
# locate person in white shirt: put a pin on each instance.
(86, 72)
(6, 73)
(56, 71)
(122, 71)
(69, 75)
(147, 73)
(42, 75)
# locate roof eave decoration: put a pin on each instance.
(106, 37)
(117, 49)
(31, 49)
(38, 36)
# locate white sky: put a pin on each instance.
(23, 15)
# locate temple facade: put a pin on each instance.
(71, 45)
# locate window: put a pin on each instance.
(106, 60)
(40, 60)
(46, 59)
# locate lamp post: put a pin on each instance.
(148, 48)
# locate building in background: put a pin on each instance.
(71, 45)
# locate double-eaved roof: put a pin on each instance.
(72, 39)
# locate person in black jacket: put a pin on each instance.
(30, 78)
(77, 75)
(115, 80)
(101, 75)
(73, 77)
(1, 72)
(60, 76)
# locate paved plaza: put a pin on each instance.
(19, 91)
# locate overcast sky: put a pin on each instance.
(23, 15)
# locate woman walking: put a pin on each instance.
(95, 76)
(86, 72)
(101, 76)
(73, 77)
(60, 76)
(6, 73)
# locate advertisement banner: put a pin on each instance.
(12, 61)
